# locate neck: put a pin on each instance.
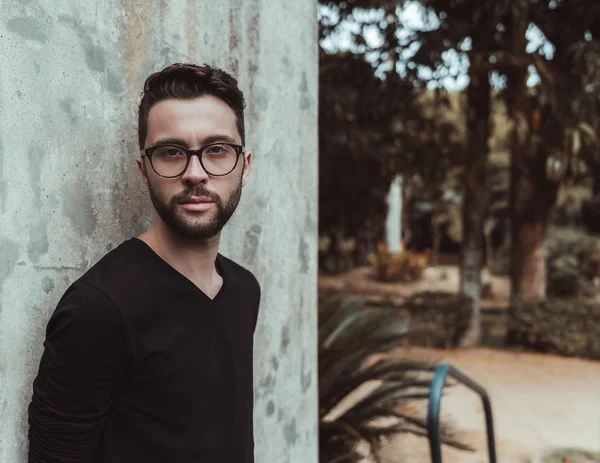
(193, 258)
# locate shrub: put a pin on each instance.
(405, 267)
(573, 259)
(353, 343)
(569, 327)
(438, 319)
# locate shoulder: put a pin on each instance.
(87, 308)
(243, 280)
(120, 263)
(123, 273)
(247, 287)
(238, 275)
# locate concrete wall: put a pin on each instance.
(70, 79)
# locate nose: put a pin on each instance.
(194, 172)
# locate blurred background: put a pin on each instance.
(459, 222)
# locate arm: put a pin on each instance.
(85, 349)
(257, 306)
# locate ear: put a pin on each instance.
(142, 166)
(247, 165)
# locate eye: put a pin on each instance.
(218, 150)
(170, 152)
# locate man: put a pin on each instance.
(148, 356)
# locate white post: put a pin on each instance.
(394, 217)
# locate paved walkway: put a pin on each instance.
(539, 401)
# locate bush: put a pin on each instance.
(438, 319)
(564, 326)
(405, 267)
(573, 259)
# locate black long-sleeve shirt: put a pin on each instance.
(140, 365)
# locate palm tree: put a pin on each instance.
(355, 343)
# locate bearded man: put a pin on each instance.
(148, 355)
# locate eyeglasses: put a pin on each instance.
(217, 159)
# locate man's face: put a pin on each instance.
(195, 204)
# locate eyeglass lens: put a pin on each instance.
(170, 161)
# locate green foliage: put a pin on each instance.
(370, 129)
(564, 326)
(573, 259)
(354, 142)
(553, 126)
(438, 319)
(353, 343)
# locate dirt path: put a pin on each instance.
(539, 402)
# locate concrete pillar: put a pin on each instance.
(394, 216)
(70, 79)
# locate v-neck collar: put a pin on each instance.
(218, 264)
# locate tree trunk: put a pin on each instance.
(532, 194)
(475, 194)
(407, 209)
(533, 197)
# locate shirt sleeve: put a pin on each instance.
(257, 305)
(84, 355)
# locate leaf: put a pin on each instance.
(341, 327)
(352, 336)
(588, 130)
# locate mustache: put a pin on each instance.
(196, 191)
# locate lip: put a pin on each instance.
(197, 199)
(197, 203)
(197, 206)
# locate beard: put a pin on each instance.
(208, 224)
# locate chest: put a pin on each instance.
(190, 355)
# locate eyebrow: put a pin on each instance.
(206, 141)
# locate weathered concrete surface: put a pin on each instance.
(70, 78)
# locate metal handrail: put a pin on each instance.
(433, 415)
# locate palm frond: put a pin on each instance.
(355, 344)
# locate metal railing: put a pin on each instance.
(433, 414)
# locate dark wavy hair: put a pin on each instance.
(188, 81)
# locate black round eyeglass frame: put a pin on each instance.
(239, 149)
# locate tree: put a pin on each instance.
(477, 23)
(455, 21)
(372, 128)
(474, 209)
(553, 123)
(547, 128)
(357, 147)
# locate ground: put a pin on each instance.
(539, 401)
